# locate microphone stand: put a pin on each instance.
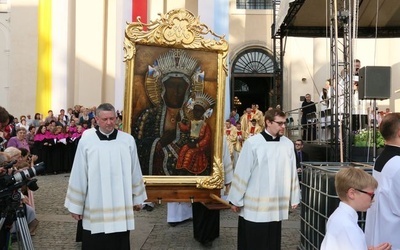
(374, 133)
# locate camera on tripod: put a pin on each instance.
(11, 208)
(10, 183)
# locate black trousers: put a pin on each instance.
(102, 241)
(205, 223)
(259, 235)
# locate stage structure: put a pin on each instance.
(347, 20)
(308, 18)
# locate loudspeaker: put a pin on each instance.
(374, 82)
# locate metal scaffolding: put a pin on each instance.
(343, 20)
(278, 61)
(343, 29)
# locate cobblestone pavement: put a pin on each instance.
(57, 229)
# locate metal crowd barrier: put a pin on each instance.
(319, 200)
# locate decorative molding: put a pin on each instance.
(178, 28)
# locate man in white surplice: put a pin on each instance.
(106, 184)
(265, 184)
(383, 218)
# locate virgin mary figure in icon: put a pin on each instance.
(171, 82)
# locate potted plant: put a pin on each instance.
(365, 138)
(362, 149)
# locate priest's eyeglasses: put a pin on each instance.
(371, 194)
(280, 123)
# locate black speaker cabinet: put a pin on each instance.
(374, 82)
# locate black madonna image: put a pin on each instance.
(173, 132)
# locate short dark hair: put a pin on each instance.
(390, 125)
(270, 114)
(104, 107)
(24, 151)
(4, 115)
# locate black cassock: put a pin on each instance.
(205, 223)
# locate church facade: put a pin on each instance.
(55, 54)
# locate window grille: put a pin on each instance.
(254, 4)
(254, 62)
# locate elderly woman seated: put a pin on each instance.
(19, 141)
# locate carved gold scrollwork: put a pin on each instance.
(177, 33)
(129, 50)
(216, 180)
(178, 28)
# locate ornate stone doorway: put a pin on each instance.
(252, 80)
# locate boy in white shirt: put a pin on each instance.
(355, 189)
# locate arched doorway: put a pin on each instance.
(252, 80)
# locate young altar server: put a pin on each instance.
(355, 189)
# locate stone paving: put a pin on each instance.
(57, 229)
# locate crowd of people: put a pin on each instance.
(239, 128)
(52, 139)
(106, 142)
(263, 189)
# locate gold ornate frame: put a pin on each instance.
(178, 29)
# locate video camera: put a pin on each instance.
(8, 180)
(10, 183)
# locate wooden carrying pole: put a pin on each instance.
(219, 199)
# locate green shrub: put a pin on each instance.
(364, 138)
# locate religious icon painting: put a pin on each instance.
(174, 98)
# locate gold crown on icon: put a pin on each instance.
(203, 100)
(176, 60)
